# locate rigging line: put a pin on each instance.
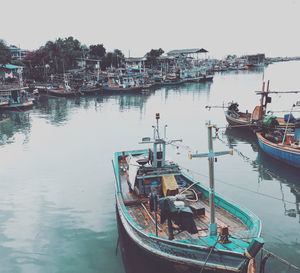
(245, 189)
(281, 259)
(239, 187)
(210, 253)
(178, 145)
(253, 162)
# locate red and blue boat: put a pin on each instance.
(287, 152)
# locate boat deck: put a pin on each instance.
(139, 210)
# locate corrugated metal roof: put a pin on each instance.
(187, 51)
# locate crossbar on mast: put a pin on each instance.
(211, 155)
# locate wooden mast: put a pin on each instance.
(211, 157)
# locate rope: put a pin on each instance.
(252, 263)
(209, 254)
(242, 188)
(270, 254)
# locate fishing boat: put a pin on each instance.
(283, 146)
(121, 84)
(174, 218)
(15, 97)
(253, 120)
(62, 90)
(90, 88)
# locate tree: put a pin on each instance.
(97, 51)
(153, 55)
(35, 65)
(118, 58)
(5, 55)
(114, 59)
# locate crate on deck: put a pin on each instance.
(197, 209)
(169, 185)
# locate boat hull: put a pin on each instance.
(180, 253)
(62, 94)
(121, 90)
(286, 155)
(49, 92)
(17, 106)
(90, 91)
(238, 122)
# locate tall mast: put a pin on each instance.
(159, 145)
(211, 157)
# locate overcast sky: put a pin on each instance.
(220, 26)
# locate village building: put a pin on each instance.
(18, 53)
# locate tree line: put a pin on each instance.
(63, 54)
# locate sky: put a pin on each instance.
(136, 26)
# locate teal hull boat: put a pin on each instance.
(167, 214)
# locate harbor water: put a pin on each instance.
(57, 204)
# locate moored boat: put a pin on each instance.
(122, 84)
(282, 146)
(15, 97)
(90, 88)
(118, 89)
(63, 90)
(169, 215)
(236, 118)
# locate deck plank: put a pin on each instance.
(134, 206)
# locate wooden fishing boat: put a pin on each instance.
(89, 89)
(284, 147)
(174, 218)
(63, 90)
(122, 84)
(253, 120)
(246, 120)
(15, 98)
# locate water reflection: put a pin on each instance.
(286, 175)
(56, 110)
(236, 135)
(269, 169)
(128, 101)
(190, 87)
(13, 123)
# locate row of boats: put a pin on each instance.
(20, 97)
(279, 137)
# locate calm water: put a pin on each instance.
(57, 205)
